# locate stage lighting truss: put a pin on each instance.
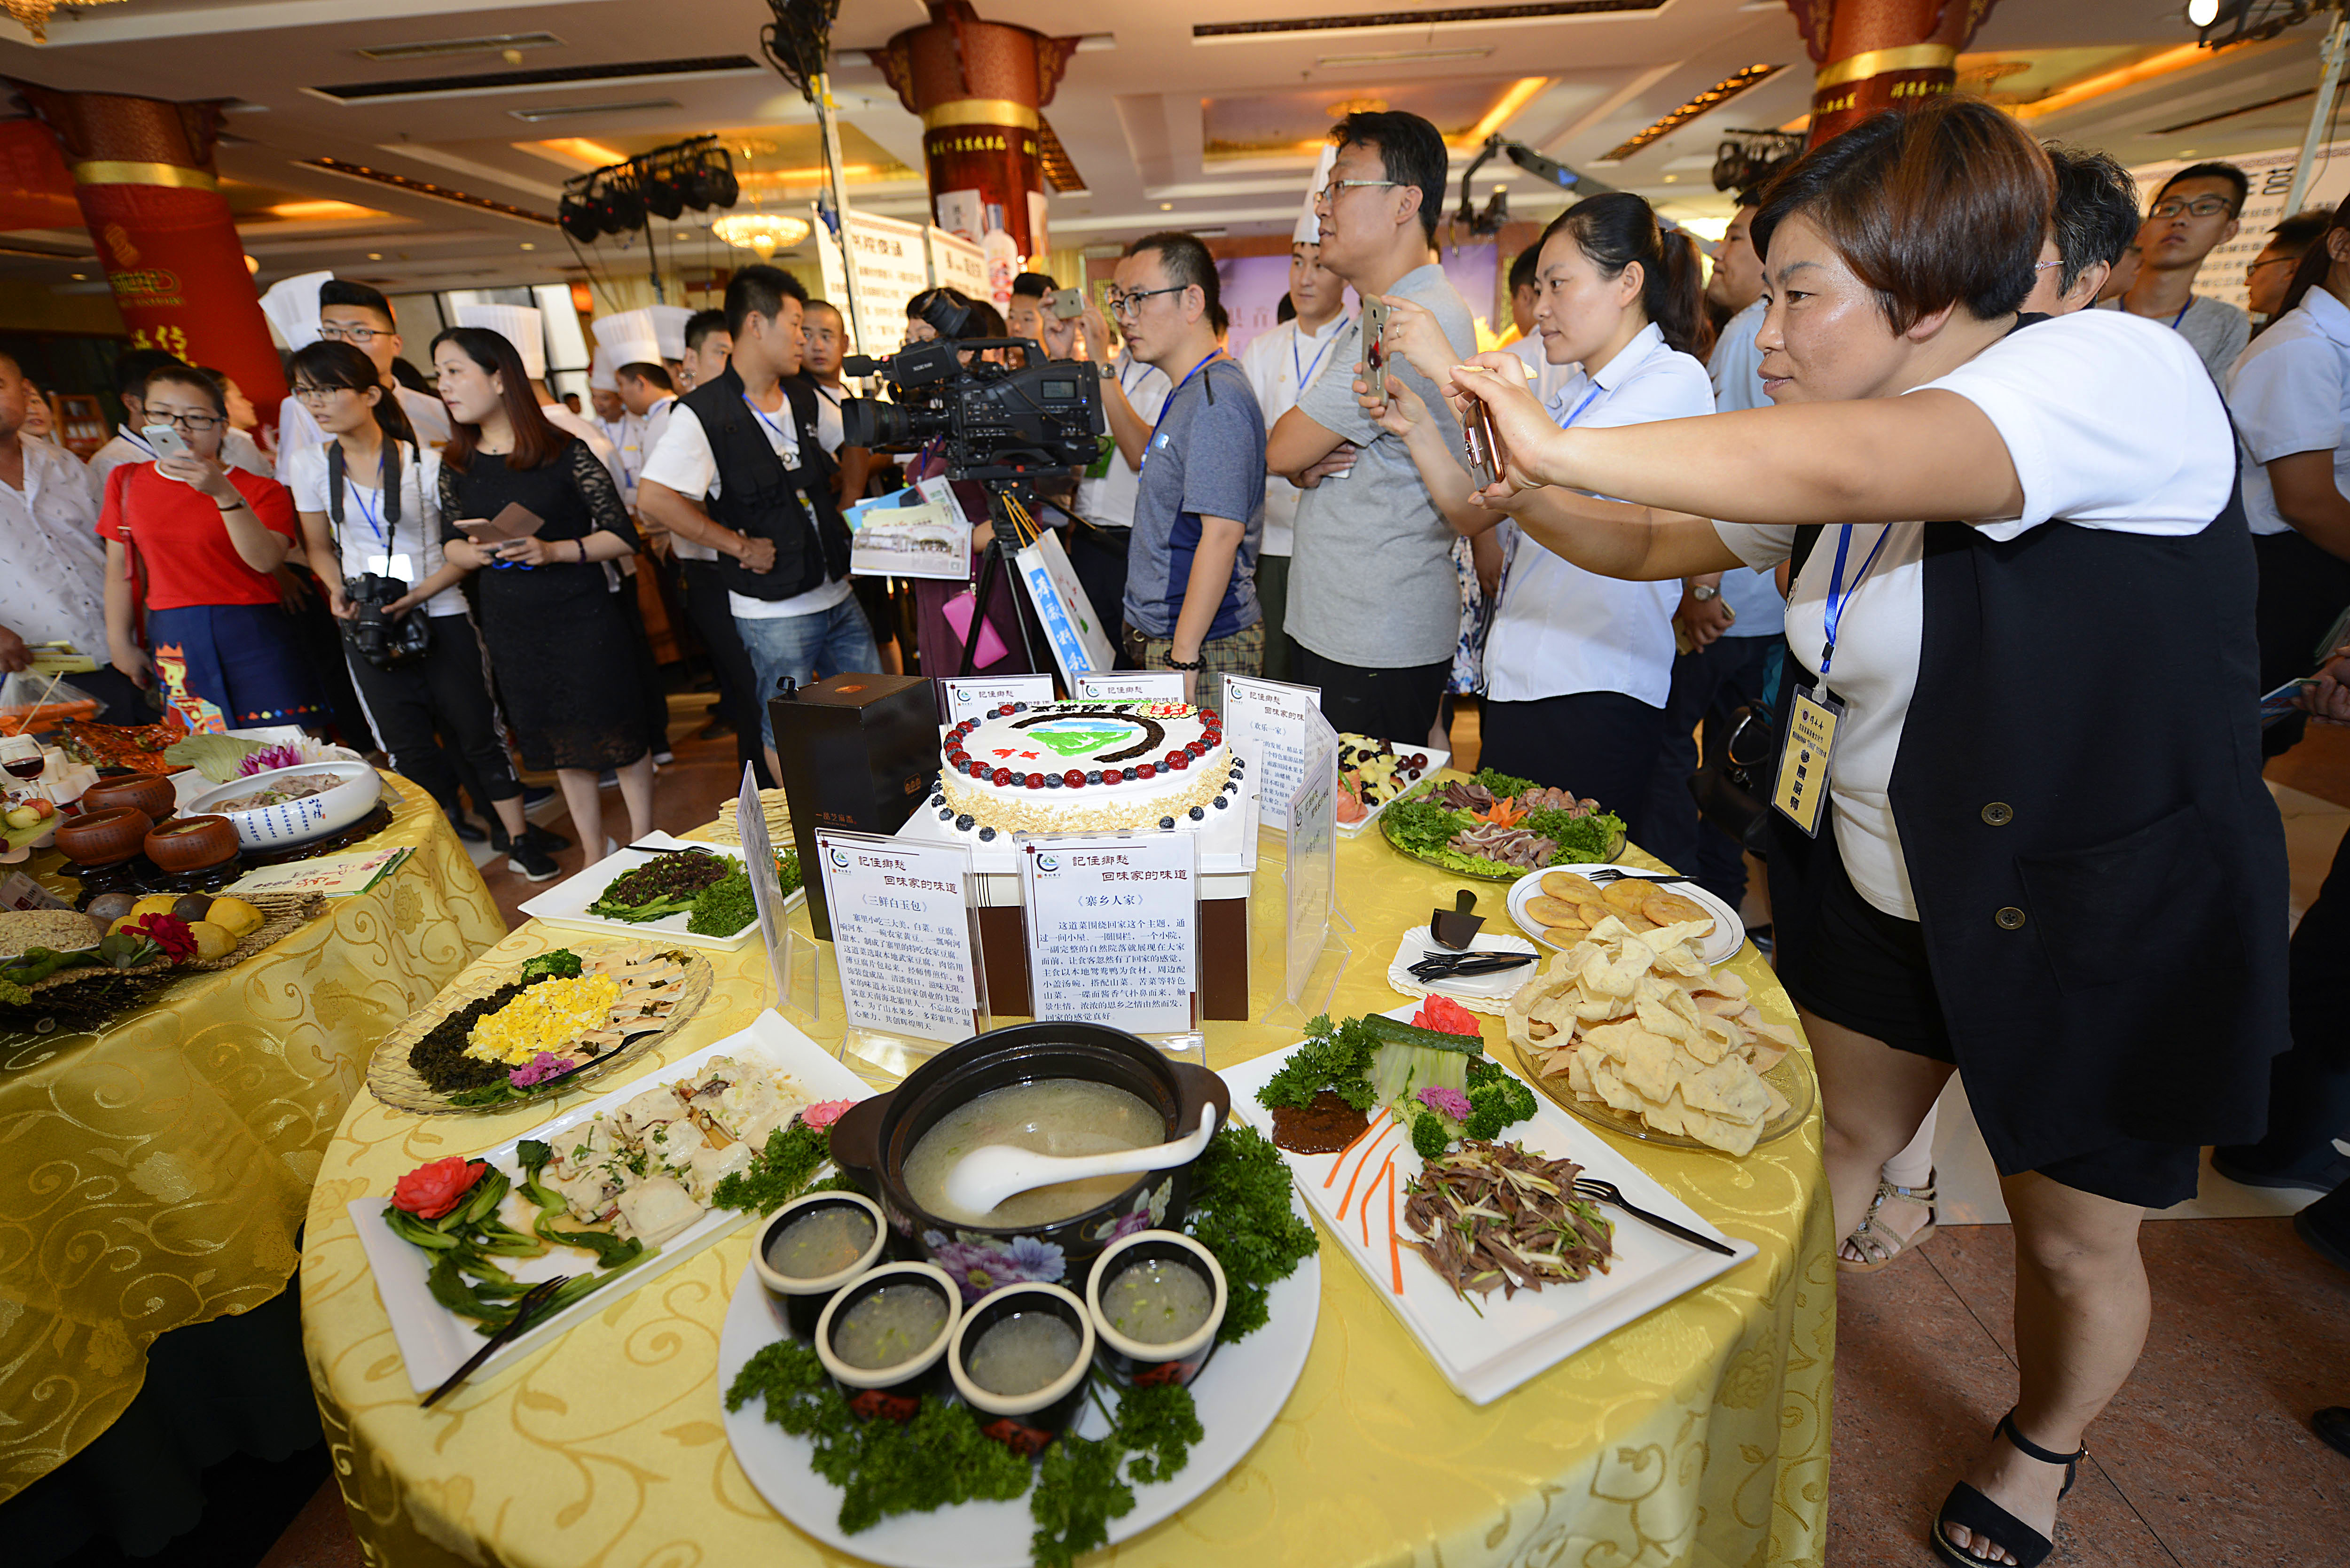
(1748, 158)
(665, 184)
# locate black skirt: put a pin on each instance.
(1866, 971)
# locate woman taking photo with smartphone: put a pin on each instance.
(369, 507)
(562, 648)
(193, 542)
(1981, 858)
(1577, 666)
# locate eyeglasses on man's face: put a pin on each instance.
(2270, 261)
(338, 332)
(1328, 195)
(1126, 306)
(2200, 207)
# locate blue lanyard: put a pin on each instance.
(1588, 397)
(1169, 403)
(1839, 596)
(2182, 313)
(1306, 377)
(374, 518)
(760, 414)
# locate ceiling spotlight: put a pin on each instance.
(528, 246)
(2202, 13)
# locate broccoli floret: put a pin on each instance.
(1495, 1100)
(558, 963)
(1430, 1137)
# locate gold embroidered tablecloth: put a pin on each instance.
(1698, 1435)
(155, 1174)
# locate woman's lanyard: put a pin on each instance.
(1839, 596)
(1596, 389)
(1306, 377)
(1510, 542)
(1150, 446)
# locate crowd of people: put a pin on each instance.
(1973, 754)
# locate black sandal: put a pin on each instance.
(1970, 1510)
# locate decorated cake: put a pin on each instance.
(1085, 767)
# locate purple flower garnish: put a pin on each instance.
(538, 1069)
(1445, 1102)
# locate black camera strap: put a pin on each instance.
(389, 467)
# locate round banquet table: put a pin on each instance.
(157, 1169)
(1697, 1434)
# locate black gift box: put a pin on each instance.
(857, 752)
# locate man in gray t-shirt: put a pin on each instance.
(1374, 601)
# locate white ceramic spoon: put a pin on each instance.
(987, 1175)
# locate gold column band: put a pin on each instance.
(119, 172)
(979, 111)
(1878, 62)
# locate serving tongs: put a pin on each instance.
(1463, 965)
(1455, 927)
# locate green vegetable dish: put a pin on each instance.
(710, 890)
(1499, 827)
(1241, 1211)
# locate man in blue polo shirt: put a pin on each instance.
(1191, 585)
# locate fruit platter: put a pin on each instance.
(1373, 774)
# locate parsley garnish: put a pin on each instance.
(1240, 1212)
(779, 1173)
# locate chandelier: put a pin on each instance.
(34, 15)
(765, 232)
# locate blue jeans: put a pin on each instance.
(806, 648)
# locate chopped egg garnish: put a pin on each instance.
(547, 1017)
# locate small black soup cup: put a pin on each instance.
(803, 1297)
(1139, 1362)
(1024, 1423)
(891, 1392)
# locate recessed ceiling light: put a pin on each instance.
(441, 48)
(375, 256)
(1165, 206)
(80, 277)
(1672, 178)
(1389, 56)
(528, 246)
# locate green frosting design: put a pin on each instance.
(1084, 737)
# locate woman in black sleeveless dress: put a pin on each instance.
(562, 650)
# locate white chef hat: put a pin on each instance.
(669, 328)
(292, 305)
(630, 338)
(1309, 227)
(603, 371)
(518, 324)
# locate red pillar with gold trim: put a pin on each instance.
(1872, 55)
(142, 172)
(978, 86)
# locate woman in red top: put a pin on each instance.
(196, 542)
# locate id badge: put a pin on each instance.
(390, 566)
(1801, 792)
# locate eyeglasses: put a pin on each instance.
(2201, 207)
(2270, 261)
(359, 335)
(189, 422)
(1128, 305)
(319, 394)
(1328, 194)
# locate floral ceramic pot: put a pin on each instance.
(873, 1140)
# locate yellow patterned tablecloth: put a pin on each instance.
(1698, 1435)
(155, 1174)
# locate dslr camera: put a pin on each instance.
(995, 423)
(381, 640)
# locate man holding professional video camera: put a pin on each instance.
(739, 469)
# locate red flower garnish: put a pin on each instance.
(1446, 1016)
(432, 1190)
(824, 1113)
(170, 934)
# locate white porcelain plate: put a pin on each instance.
(564, 905)
(1718, 946)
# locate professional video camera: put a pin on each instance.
(380, 640)
(997, 424)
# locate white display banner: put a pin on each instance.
(902, 935)
(1114, 930)
(1131, 686)
(2270, 173)
(892, 266)
(970, 699)
(957, 264)
(1266, 722)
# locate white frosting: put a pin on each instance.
(1050, 739)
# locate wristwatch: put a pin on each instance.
(1705, 593)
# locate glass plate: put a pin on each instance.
(391, 1080)
(1458, 866)
(1791, 1075)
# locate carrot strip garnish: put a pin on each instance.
(1363, 1215)
(1395, 1247)
(1361, 1166)
(1332, 1179)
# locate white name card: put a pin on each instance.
(1266, 722)
(1132, 686)
(1114, 930)
(902, 934)
(972, 698)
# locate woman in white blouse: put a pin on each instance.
(2043, 856)
(1577, 666)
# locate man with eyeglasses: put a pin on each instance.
(361, 317)
(1374, 607)
(2270, 272)
(1134, 394)
(130, 374)
(2194, 214)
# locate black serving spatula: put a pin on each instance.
(1455, 927)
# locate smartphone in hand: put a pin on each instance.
(166, 441)
(1482, 445)
(1066, 304)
